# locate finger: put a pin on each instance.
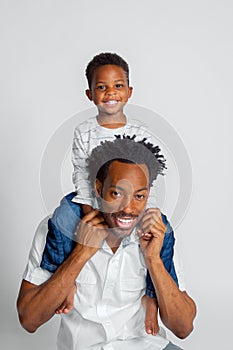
(154, 231)
(151, 224)
(92, 214)
(155, 216)
(102, 226)
(96, 220)
(141, 234)
(102, 232)
(147, 236)
(151, 217)
(153, 210)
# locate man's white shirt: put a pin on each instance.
(107, 312)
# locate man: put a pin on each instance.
(108, 263)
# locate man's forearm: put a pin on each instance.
(37, 304)
(177, 309)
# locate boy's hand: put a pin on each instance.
(151, 232)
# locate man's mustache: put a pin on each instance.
(125, 215)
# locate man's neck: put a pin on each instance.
(113, 242)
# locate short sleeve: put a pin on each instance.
(179, 270)
(80, 174)
(33, 273)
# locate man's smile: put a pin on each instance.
(125, 221)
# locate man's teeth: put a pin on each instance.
(125, 221)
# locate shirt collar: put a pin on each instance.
(131, 239)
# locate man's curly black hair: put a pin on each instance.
(101, 60)
(125, 149)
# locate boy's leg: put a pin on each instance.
(61, 228)
(151, 320)
(151, 315)
(167, 250)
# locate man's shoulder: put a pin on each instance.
(40, 235)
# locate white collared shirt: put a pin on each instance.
(107, 312)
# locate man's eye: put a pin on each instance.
(116, 194)
(140, 197)
(118, 86)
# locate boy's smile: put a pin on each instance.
(110, 92)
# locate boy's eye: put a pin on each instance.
(101, 87)
(118, 86)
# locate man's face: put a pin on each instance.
(109, 90)
(124, 195)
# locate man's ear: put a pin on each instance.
(98, 188)
(89, 94)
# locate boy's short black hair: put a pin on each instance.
(125, 149)
(103, 59)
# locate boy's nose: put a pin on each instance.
(111, 91)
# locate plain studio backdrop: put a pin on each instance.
(180, 55)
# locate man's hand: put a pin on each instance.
(91, 231)
(151, 232)
(38, 303)
(177, 310)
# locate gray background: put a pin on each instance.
(180, 55)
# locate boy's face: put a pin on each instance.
(109, 90)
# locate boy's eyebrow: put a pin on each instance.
(103, 82)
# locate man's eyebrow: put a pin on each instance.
(142, 189)
(123, 189)
(116, 187)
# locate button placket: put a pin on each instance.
(102, 307)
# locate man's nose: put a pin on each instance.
(129, 205)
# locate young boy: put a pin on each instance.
(109, 89)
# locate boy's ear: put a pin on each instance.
(89, 94)
(98, 188)
(130, 91)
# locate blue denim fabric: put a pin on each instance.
(60, 240)
(61, 229)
